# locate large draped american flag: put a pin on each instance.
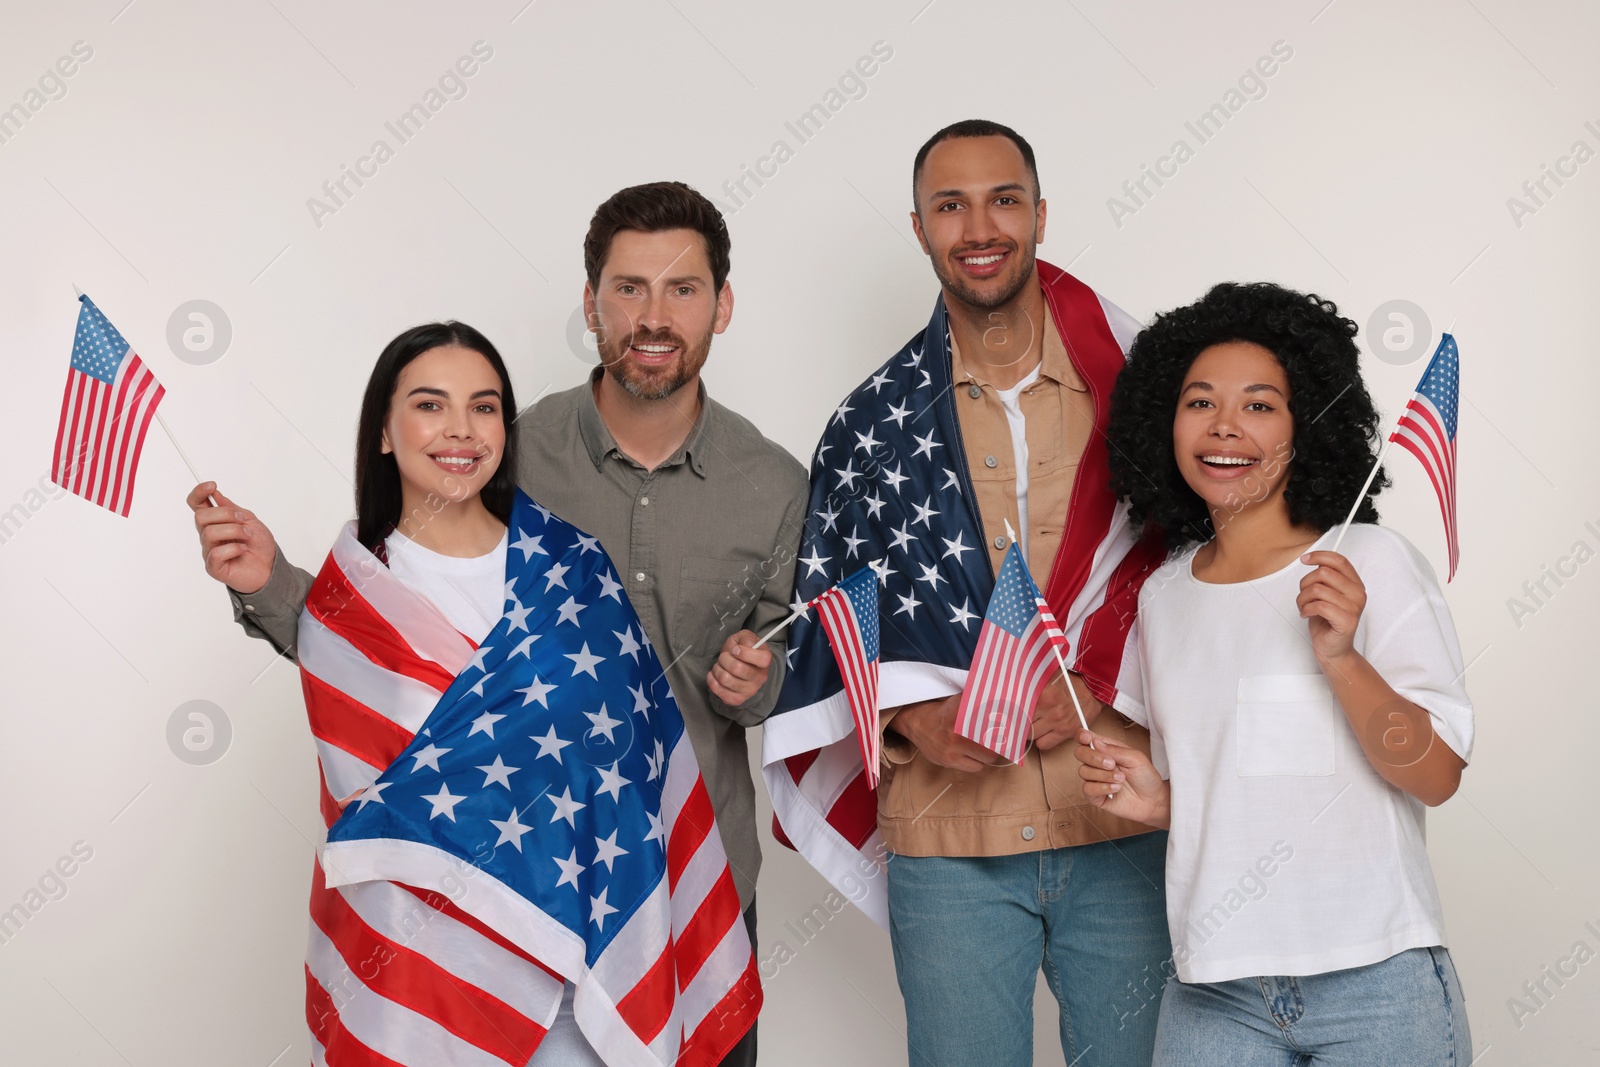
(526, 810)
(890, 488)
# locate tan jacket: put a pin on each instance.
(928, 810)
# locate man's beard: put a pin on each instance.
(963, 290)
(653, 383)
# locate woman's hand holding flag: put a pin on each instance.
(1122, 780)
(237, 547)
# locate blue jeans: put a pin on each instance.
(1406, 1010)
(971, 933)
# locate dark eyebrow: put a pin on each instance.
(1008, 187)
(639, 279)
(1259, 387)
(431, 391)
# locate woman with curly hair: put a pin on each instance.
(1303, 705)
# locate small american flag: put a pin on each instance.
(849, 616)
(1015, 655)
(1427, 430)
(110, 398)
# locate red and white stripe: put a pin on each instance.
(1421, 432)
(843, 629)
(395, 974)
(823, 808)
(679, 982)
(101, 433)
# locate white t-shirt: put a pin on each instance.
(470, 592)
(1289, 854)
(1010, 399)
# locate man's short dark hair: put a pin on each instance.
(975, 128)
(651, 208)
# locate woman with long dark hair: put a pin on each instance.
(407, 600)
(436, 444)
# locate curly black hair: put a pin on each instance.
(1335, 424)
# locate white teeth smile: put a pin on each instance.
(655, 350)
(984, 261)
(1226, 461)
(456, 461)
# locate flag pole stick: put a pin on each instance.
(1373, 473)
(187, 462)
(793, 615)
(181, 453)
(1067, 677)
(1061, 661)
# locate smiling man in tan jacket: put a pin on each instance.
(991, 418)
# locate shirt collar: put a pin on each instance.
(600, 442)
(1055, 363)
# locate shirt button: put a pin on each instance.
(974, 392)
(1027, 833)
(990, 461)
(639, 577)
(250, 607)
(644, 501)
(999, 542)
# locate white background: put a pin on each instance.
(177, 166)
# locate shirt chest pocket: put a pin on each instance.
(715, 596)
(1285, 724)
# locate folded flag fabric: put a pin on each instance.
(106, 409)
(849, 616)
(1015, 657)
(529, 810)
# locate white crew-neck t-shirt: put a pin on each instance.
(1010, 399)
(1288, 853)
(470, 591)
